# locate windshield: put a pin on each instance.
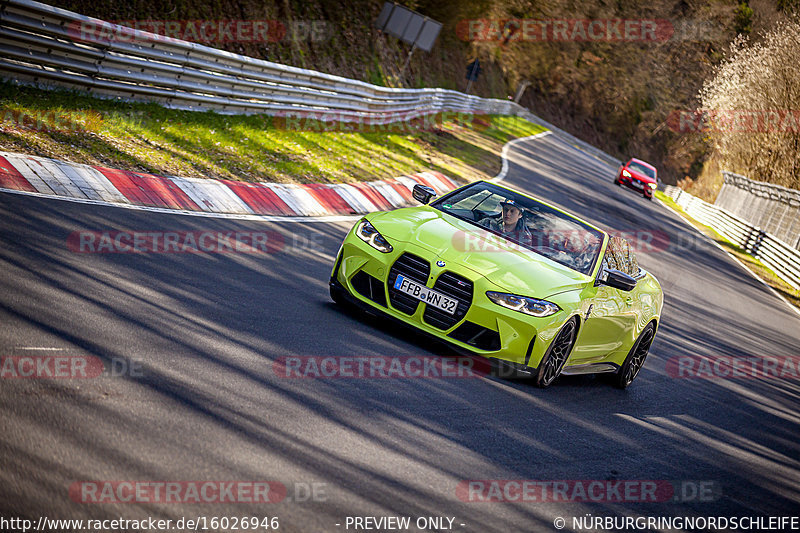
(527, 223)
(641, 169)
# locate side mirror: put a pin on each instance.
(423, 193)
(618, 280)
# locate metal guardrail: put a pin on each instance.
(45, 45)
(782, 258)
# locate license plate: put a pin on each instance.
(638, 184)
(424, 294)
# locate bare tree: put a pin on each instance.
(752, 107)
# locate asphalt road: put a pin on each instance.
(204, 402)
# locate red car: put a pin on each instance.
(639, 176)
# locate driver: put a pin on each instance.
(511, 223)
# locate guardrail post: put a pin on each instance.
(763, 204)
(750, 240)
(757, 243)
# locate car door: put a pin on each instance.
(609, 314)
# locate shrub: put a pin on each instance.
(753, 99)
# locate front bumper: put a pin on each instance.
(636, 185)
(479, 326)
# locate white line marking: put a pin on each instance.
(41, 348)
(504, 154)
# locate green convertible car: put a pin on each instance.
(500, 274)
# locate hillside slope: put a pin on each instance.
(616, 94)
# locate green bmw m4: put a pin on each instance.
(500, 274)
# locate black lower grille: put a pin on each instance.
(411, 267)
(477, 336)
(369, 287)
(452, 286)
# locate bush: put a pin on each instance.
(753, 104)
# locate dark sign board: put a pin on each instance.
(408, 26)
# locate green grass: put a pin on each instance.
(150, 138)
(753, 263)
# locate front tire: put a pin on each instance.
(636, 357)
(557, 354)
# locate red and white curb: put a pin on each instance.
(40, 176)
(99, 185)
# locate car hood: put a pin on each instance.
(460, 243)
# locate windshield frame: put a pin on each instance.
(495, 189)
(638, 166)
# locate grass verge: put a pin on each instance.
(150, 138)
(753, 263)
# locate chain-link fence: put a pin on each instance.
(773, 252)
(771, 208)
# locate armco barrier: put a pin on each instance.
(778, 255)
(44, 44)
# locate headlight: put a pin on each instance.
(523, 304)
(652, 185)
(626, 173)
(367, 233)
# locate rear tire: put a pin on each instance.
(636, 357)
(557, 354)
